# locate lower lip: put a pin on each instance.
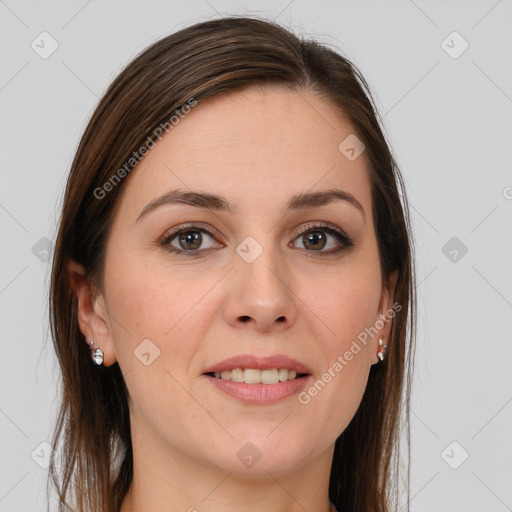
(259, 393)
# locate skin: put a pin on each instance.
(256, 148)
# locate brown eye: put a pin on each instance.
(314, 240)
(321, 237)
(188, 240)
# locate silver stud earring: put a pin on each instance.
(97, 355)
(380, 353)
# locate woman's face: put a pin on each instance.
(269, 279)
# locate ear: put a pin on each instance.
(92, 313)
(384, 315)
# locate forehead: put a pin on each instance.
(256, 146)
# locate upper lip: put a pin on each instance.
(278, 361)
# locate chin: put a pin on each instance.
(262, 453)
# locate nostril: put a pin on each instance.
(245, 319)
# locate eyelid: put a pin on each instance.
(189, 226)
(335, 231)
(345, 241)
(322, 225)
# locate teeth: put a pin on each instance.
(254, 376)
(237, 375)
(269, 376)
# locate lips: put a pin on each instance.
(259, 363)
(250, 389)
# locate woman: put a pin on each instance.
(232, 290)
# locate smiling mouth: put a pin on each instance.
(256, 376)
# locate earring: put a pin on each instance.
(380, 353)
(97, 355)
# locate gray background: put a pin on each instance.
(448, 116)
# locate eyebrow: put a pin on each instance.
(217, 203)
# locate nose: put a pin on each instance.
(260, 294)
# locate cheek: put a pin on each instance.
(348, 308)
(157, 323)
(333, 397)
(151, 305)
(349, 304)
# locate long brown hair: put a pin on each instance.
(198, 62)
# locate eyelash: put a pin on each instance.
(341, 237)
